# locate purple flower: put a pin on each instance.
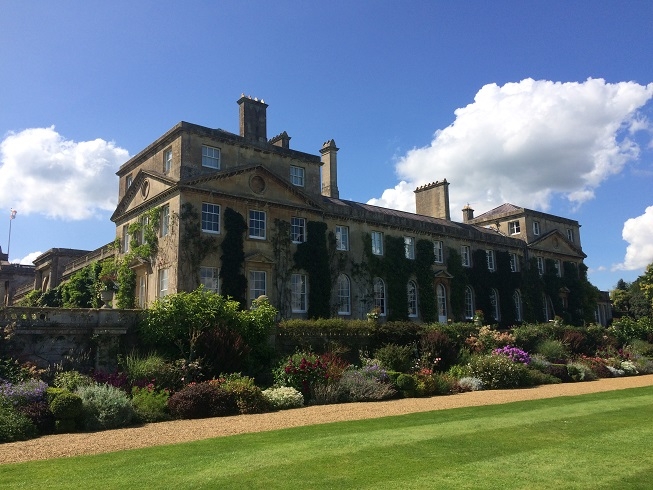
(514, 353)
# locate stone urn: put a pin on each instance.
(106, 296)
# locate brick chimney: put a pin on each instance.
(433, 200)
(329, 153)
(253, 121)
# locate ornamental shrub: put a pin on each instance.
(302, 371)
(515, 354)
(14, 426)
(64, 404)
(536, 378)
(283, 397)
(105, 407)
(71, 380)
(248, 396)
(470, 384)
(24, 392)
(580, 372)
(498, 372)
(359, 386)
(406, 383)
(150, 404)
(200, 400)
(438, 350)
(40, 415)
(553, 350)
(395, 357)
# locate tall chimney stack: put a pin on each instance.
(253, 121)
(433, 200)
(329, 153)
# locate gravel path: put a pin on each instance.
(63, 445)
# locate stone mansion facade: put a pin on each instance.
(186, 187)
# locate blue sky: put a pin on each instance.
(544, 104)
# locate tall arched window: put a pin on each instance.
(379, 295)
(412, 299)
(494, 302)
(442, 302)
(469, 303)
(516, 298)
(344, 295)
(547, 308)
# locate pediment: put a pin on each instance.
(145, 187)
(259, 257)
(253, 182)
(555, 242)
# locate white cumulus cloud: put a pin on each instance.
(527, 142)
(41, 172)
(638, 232)
(28, 259)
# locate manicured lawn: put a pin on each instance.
(598, 441)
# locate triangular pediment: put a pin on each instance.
(556, 243)
(259, 258)
(145, 187)
(253, 182)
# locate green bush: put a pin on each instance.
(65, 405)
(395, 357)
(248, 396)
(71, 380)
(202, 400)
(302, 371)
(580, 372)
(40, 415)
(359, 387)
(406, 382)
(152, 369)
(437, 351)
(14, 426)
(536, 378)
(626, 329)
(553, 351)
(105, 407)
(150, 405)
(498, 372)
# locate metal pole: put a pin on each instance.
(9, 243)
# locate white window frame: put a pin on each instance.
(210, 218)
(570, 235)
(344, 295)
(257, 284)
(377, 242)
(411, 290)
(163, 281)
(297, 176)
(469, 303)
(167, 160)
(297, 229)
(380, 296)
(210, 157)
(165, 220)
(516, 298)
(125, 239)
(496, 306)
(491, 262)
(342, 238)
(465, 256)
(558, 266)
(514, 228)
(144, 222)
(409, 247)
(142, 292)
(257, 224)
(514, 262)
(441, 295)
(438, 251)
(210, 278)
(298, 293)
(540, 266)
(536, 228)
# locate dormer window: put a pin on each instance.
(514, 228)
(536, 228)
(297, 176)
(210, 157)
(167, 161)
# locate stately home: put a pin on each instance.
(247, 216)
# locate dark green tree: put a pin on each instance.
(234, 282)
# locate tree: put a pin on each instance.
(234, 282)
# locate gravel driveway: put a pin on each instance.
(62, 445)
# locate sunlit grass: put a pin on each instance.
(589, 441)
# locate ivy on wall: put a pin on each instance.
(234, 282)
(458, 283)
(424, 259)
(396, 274)
(283, 261)
(194, 246)
(312, 256)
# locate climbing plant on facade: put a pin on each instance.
(458, 283)
(424, 259)
(312, 256)
(283, 261)
(194, 246)
(234, 282)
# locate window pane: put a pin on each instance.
(344, 295)
(256, 224)
(298, 293)
(209, 278)
(298, 230)
(210, 217)
(342, 238)
(256, 284)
